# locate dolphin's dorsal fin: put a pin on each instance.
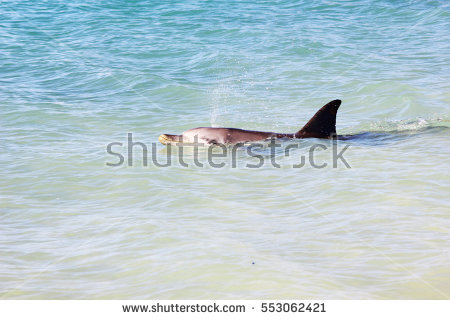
(322, 124)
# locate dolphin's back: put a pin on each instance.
(321, 125)
(211, 135)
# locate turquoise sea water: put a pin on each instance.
(76, 76)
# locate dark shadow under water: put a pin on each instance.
(388, 137)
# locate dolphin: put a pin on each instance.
(321, 125)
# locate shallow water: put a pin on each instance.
(76, 77)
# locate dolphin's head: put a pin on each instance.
(170, 138)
